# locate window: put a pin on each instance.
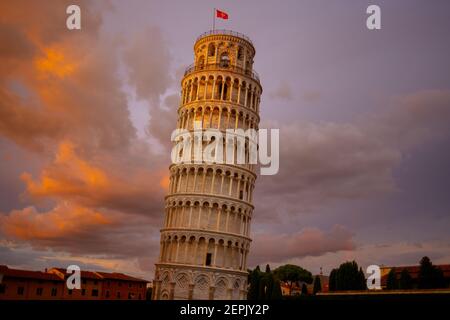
(241, 194)
(224, 60)
(108, 283)
(118, 294)
(107, 294)
(140, 285)
(211, 50)
(84, 281)
(54, 292)
(39, 291)
(140, 297)
(70, 292)
(201, 62)
(83, 292)
(95, 282)
(20, 291)
(2, 288)
(130, 296)
(130, 285)
(94, 292)
(208, 259)
(240, 54)
(120, 284)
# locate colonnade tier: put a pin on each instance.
(190, 282)
(233, 184)
(199, 249)
(204, 86)
(207, 218)
(216, 116)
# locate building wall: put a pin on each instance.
(30, 287)
(123, 290)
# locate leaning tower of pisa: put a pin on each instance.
(205, 238)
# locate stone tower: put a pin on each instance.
(205, 239)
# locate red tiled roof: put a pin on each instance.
(38, 275)
(84, 274)
(119, 276)
(414, 271)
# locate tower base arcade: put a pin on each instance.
(198, 283)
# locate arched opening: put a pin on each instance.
(211, 50)
(201, 62)
(224, 60)
(240, 53)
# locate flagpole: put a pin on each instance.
(214, 19)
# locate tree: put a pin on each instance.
(391, 281)
(276, 290)
(291, 274)
(425, 273)
(405, 282)
(430, 277)
(348, 277)
(317, 285)
(332, 280)
(362, 280)
(304, 289)
(266, 283)
(254, 278)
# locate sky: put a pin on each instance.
(364, 119)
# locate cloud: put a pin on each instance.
(282, 92)
(325, 162)
(311, 96)
(103, 181)
(277, 247)
(98, 190)
(147, 60)
(61, 221)
(412, 119)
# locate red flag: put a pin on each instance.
(221, 14)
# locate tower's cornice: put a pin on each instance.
(222, 34)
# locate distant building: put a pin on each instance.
(297, 287)
(413, 272)
(120, 286)
(29, 285)
(18, 284)
(90, 285)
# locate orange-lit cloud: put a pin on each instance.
(62, 221)
(69, 175)
(55, 63)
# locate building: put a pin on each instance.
(18, 284)
(90, 285)
(117, 286)
(205, 238)
(413, 272)
(296, 289)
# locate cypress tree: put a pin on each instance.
(276, 293)
(405, 282)
(304, 289)
(391, 282)
(332, 280)
(317, 285)
(254, 280)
